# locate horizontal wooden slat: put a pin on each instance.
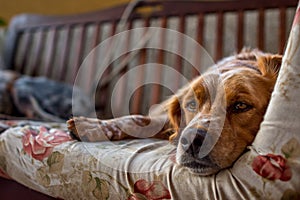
(169, 8)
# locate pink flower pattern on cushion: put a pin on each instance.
(39, 142)
(149, 190)
(297, 17)
(4, 175)
(272, 167)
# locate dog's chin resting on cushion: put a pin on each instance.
(211, 120)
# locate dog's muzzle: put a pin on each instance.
(192, 140)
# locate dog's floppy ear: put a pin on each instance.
(175, 113)
(269, 65)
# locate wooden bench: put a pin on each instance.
(56, 46)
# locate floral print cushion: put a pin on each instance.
(45, 158)
(50, 161)
(39, 142)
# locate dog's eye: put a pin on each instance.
(239, 107)
(191, 106)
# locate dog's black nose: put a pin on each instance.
(192, 140)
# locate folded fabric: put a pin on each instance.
(48, 160)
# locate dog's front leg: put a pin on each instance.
(127, 127)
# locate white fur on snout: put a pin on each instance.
(212, 123)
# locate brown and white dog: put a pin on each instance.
(212, 120)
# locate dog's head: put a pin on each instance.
(219, 113)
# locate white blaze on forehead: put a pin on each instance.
(214, 89)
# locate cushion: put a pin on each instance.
(45, 158)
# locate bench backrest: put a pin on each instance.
(57, 46)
